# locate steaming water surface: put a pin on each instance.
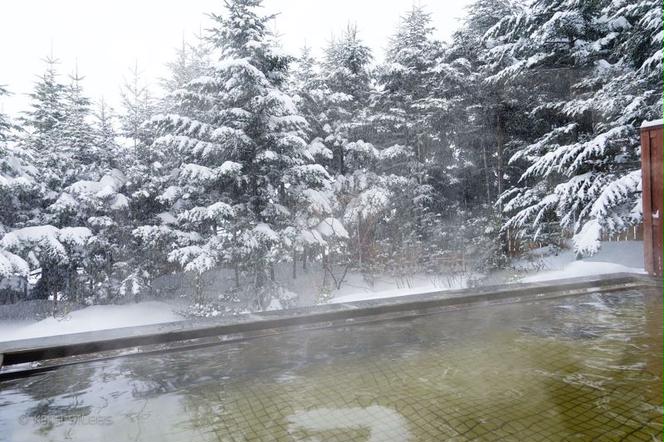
(585, 368)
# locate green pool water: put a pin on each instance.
(575, 369)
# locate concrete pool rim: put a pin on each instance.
(104, 344)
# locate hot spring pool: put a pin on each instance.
(574, 369)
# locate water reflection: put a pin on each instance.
(587, 367)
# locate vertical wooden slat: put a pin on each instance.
(647, 200)
(656, 192)
(653, 210)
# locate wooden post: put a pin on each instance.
(651, 170)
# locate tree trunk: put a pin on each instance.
(359, 242)
(55, 297)
(486, 174)
(198, 287)
(500, 139)
(260, 277)
(324, 262)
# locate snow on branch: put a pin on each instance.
(46, 241)
(11, 265)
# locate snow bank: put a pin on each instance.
(355, 288)
(97, 317)
(613, 257)
(581, 268)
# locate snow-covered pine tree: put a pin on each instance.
(96, 198)
(312, 96)
(101, 207)
(47, 109)
(56, 253)
(91, 195)
(630, 76)
(146, 172)
(535, 47)
(402, 107)
(402, 113)
(17, 189)
(59, 132)
(42, 124)
(138, 107)
(110, 154)
(304, 76)
(346, 87)
(317, 233)
(77, 144)
(191, 61)
(494, 109)
(480, 120)
(582, 171)
(343, 92)
(4, 119)
(152, 174)
(53, 238)
(104, 206)
(242, 145)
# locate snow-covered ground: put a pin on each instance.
(97, 317)
(541, 265)
(613, 257)
(357, 289)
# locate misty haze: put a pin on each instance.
(281, 173)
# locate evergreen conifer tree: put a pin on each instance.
(244, 157)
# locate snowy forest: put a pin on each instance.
(256, 168)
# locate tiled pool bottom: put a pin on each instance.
(573, 369)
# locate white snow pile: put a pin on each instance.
(613, 257)
(355, 288)
(542, 265)
(96, 317)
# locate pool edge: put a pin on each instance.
(62, 346)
